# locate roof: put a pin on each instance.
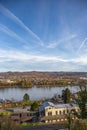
(17, 110)
(58, 105)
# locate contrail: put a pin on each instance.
(9, 14)
(55, 44)
(82, 44)
(9, 32)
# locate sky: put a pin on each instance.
(43, 35)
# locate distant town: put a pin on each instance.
(29, 79)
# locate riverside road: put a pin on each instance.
(45, 127)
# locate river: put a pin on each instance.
(35, 92)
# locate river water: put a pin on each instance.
(35, 92)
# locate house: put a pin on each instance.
(51, 112)
(22, 115)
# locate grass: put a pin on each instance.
(5, 113)
(30, 124)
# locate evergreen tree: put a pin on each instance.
(66, 95)
(82, 102)
(26, 97)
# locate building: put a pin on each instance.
(52, 113)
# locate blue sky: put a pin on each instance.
(44, 35)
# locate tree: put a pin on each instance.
(72, 117)
(66, 95)
(34, 106)
(76, 124)
(82, 101)
(7, 124)
(69, 121)
(26, 97)
(79, 125)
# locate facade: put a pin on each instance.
(21, 115)
(51, 113)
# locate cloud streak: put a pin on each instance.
(10, 15)
(55, 44)
(82, 44)
(12, 34)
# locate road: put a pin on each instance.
(45, 127)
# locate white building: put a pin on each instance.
(50, 112)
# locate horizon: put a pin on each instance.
(44, 71)
(43, 35)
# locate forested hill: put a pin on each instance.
(43, 74)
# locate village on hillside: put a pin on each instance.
(60, 109)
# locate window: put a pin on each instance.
(67, 111)
(56, 113)
(60, 112)
(49, 113)
(64, 112)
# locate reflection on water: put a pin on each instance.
(35, 92)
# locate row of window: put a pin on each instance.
(60, 113)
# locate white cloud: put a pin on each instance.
(14, 55)
(82, 60)
(15, 60)
(6, 55)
